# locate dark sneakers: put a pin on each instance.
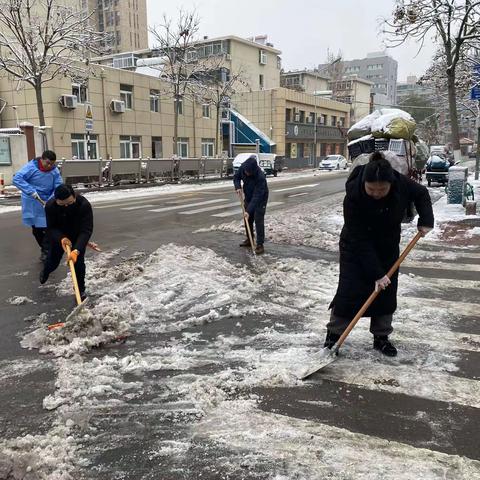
(43, 276)
(331, 339)
(259, 249)
(245, 243)
(83, 295)
(381, 343)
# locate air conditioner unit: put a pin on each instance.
(296, 117)
(117, 106)
(228, 56)
(68, 101)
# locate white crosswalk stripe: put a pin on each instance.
(209, 209)
(299, 187)
(298, 194)
(188, 205)
(237, 211)
(138, 207)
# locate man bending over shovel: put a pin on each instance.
(69, 228)
(255, 196)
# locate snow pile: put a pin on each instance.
(19, 300)
(317, 226)
(50, 456)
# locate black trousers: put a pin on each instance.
(54, 256)
(258, 218)
(40, 234)
(379, 325)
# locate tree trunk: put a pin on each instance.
(41, 113)
(452, 106)
(217, 135)
(175, 125)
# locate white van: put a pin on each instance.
(266, 161)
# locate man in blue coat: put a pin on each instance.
(255, 192)
(37, 181)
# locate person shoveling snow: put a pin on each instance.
(374, 206)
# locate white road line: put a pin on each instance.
(311, 185)
(187, 205)
(209, 209)
(237, 211)
(298, 194)
(466, 267)
(138, 207)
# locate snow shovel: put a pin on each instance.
(247, 225)
(80, 305)
(327, 356)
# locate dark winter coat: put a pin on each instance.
(74, 222)
(255, 186)
(369, 242)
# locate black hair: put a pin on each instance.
(378, 169)
(63, 191)
(49, 155)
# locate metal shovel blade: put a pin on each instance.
(323, 358)
(76, 311)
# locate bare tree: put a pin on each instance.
(455, 26)
(40, 40)
(219, 85)
(180, 67)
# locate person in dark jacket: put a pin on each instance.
(69, 222)
(255, 192)
(374, 206)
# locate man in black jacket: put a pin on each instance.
(69, 222)
(255, 192)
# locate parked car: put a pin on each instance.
(266, 161)
(333, 162)
(437, 170)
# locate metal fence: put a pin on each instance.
(143, 170)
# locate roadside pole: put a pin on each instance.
(477, 157)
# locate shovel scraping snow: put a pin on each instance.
(327, 356)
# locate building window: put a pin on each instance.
(81, 92)
(130, 147)
(126, 95)
(334, 121)
(206, 111)
(302, 116)
(341, 121)
(179, 105)
(262, 57)
(279, 62)
(288, 114)
(208, 147)
(157, 147)
(154, 101)
(261, 81)
(80, 146)
(182, 147)
(322, 119)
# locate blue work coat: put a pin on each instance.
(30, 179)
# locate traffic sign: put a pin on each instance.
(88, 117)
(475, 93)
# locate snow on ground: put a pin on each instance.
(211, 330)
(19, 300)
(8, 209)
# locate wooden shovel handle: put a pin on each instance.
(74, 277)
(374, 294)
(247, 225)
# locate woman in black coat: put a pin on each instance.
(374, 206)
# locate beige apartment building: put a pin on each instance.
(131, 119)
(355, 91)
(124, 20)
(258, 63)
(297, 121)
(308, 81)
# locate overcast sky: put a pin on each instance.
(302, 29)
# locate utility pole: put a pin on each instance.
(477, 157)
